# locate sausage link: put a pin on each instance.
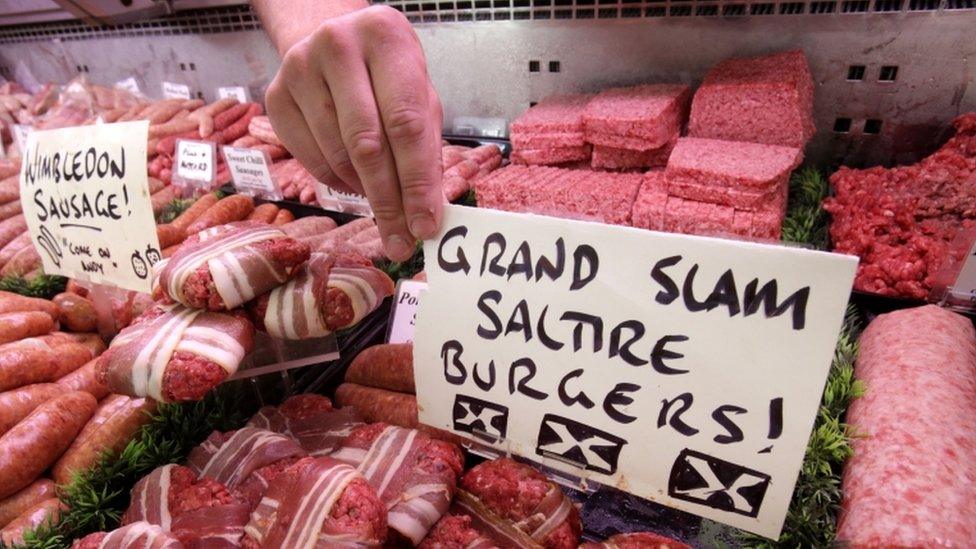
(385, 366)
(77, 313)
(85, 379)
(265, 213)
(15, 505)
(20, 325)
(47, 511)
(379, 405)
(38, 441)
(12, 303)
(17, 404)
(26, 362)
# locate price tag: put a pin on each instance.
(404, 315)
(195, 165)
(331, 199)
(90, 215)
(21, 133)
(130, 85)
(250, 173)
(172, 90)
(682, 369)
(237, 92)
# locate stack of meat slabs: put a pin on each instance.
(635, 127)
(551, 132)
(605, 197)
(718, 188)
(760, 100)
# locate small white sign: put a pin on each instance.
(682, 369)
(172, 90)
(337, 201)
(250, 173)
(89, 213)
(21, 133)
(237, 92)
(195, 165)
(403, 318)
(130, 85)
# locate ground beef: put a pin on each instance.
(638, 540)
(254, 488)
(190, 377)
(450, 532)
(901, 221)
(436, 457)
(189, 493)
(304, 405)
(513, 490)
(338, 308)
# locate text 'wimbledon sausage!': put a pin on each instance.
(85, 198)
(591, 347)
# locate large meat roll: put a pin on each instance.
(317, 502)
(332, 291)
(199, 512)
(912, 479)
(414, 475)
(172, 353)
(138, 535)
(224, 267)
(244, 459)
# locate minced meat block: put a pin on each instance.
(638, 118)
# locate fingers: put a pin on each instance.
(365, 141)
(289, 124)
(411, 125)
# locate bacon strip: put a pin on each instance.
(240, 270)
(140, 535)
(233, 460)
(490, 525)
(415, 499)
(319, 434)
(150, 498)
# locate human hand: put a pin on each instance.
(354, 104)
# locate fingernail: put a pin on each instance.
(397, 248)
(423, 226)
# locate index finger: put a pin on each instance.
(402, 92)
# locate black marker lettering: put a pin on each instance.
(522, 386)
(584, 254)
(581, 319)
(493, 266)
(483, 384)
(520, 321)
(462, 374)
(636, 328)
(580, 398)
(543, 335)
(725, 293)
(767, 298)
(545, 267)
(720, 415)
(490, 295)
(675, 420)
(661, 353)
(617, 397)
(522, 262)
(775, 417)
(688, 289)
(459, 264)
(670, 290)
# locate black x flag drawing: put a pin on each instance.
(483, 419)
(579, 444)
(716, 483)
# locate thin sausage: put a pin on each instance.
(17, 404)
(110, 429)
(385, 366)
(372, 249)
(38, 441)
(228, 209)
(162, 198)
(191, 214)
(265, 213)
(10, 209)
(16, 245)
(77, 313)
(12, 228)
(12, 303)
(20, 325)
(169, 235)
(15, 505)
(26, 362)
(344, 232)
(284, 216)
(85, 379)
(69, 357)
(309, 226)
(379, 405)
(23, 262)
(46, 511)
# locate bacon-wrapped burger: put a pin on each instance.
(414, 475)
(224, 267)
(332, 291)
(317, 502)
(199, 512)
(310, 421)
(172, 353)
(504, 503)
(138, 535)
(245, 459)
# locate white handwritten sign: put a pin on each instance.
(403, 318)
(195, 165)
(685, 370)
(172, 90)
(85, 195)
(249, 171)
(237, 92)
(130, 85)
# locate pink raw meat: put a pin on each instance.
(637, 118)
(617, 159)
(731, 164)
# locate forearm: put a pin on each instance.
(289, 22)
